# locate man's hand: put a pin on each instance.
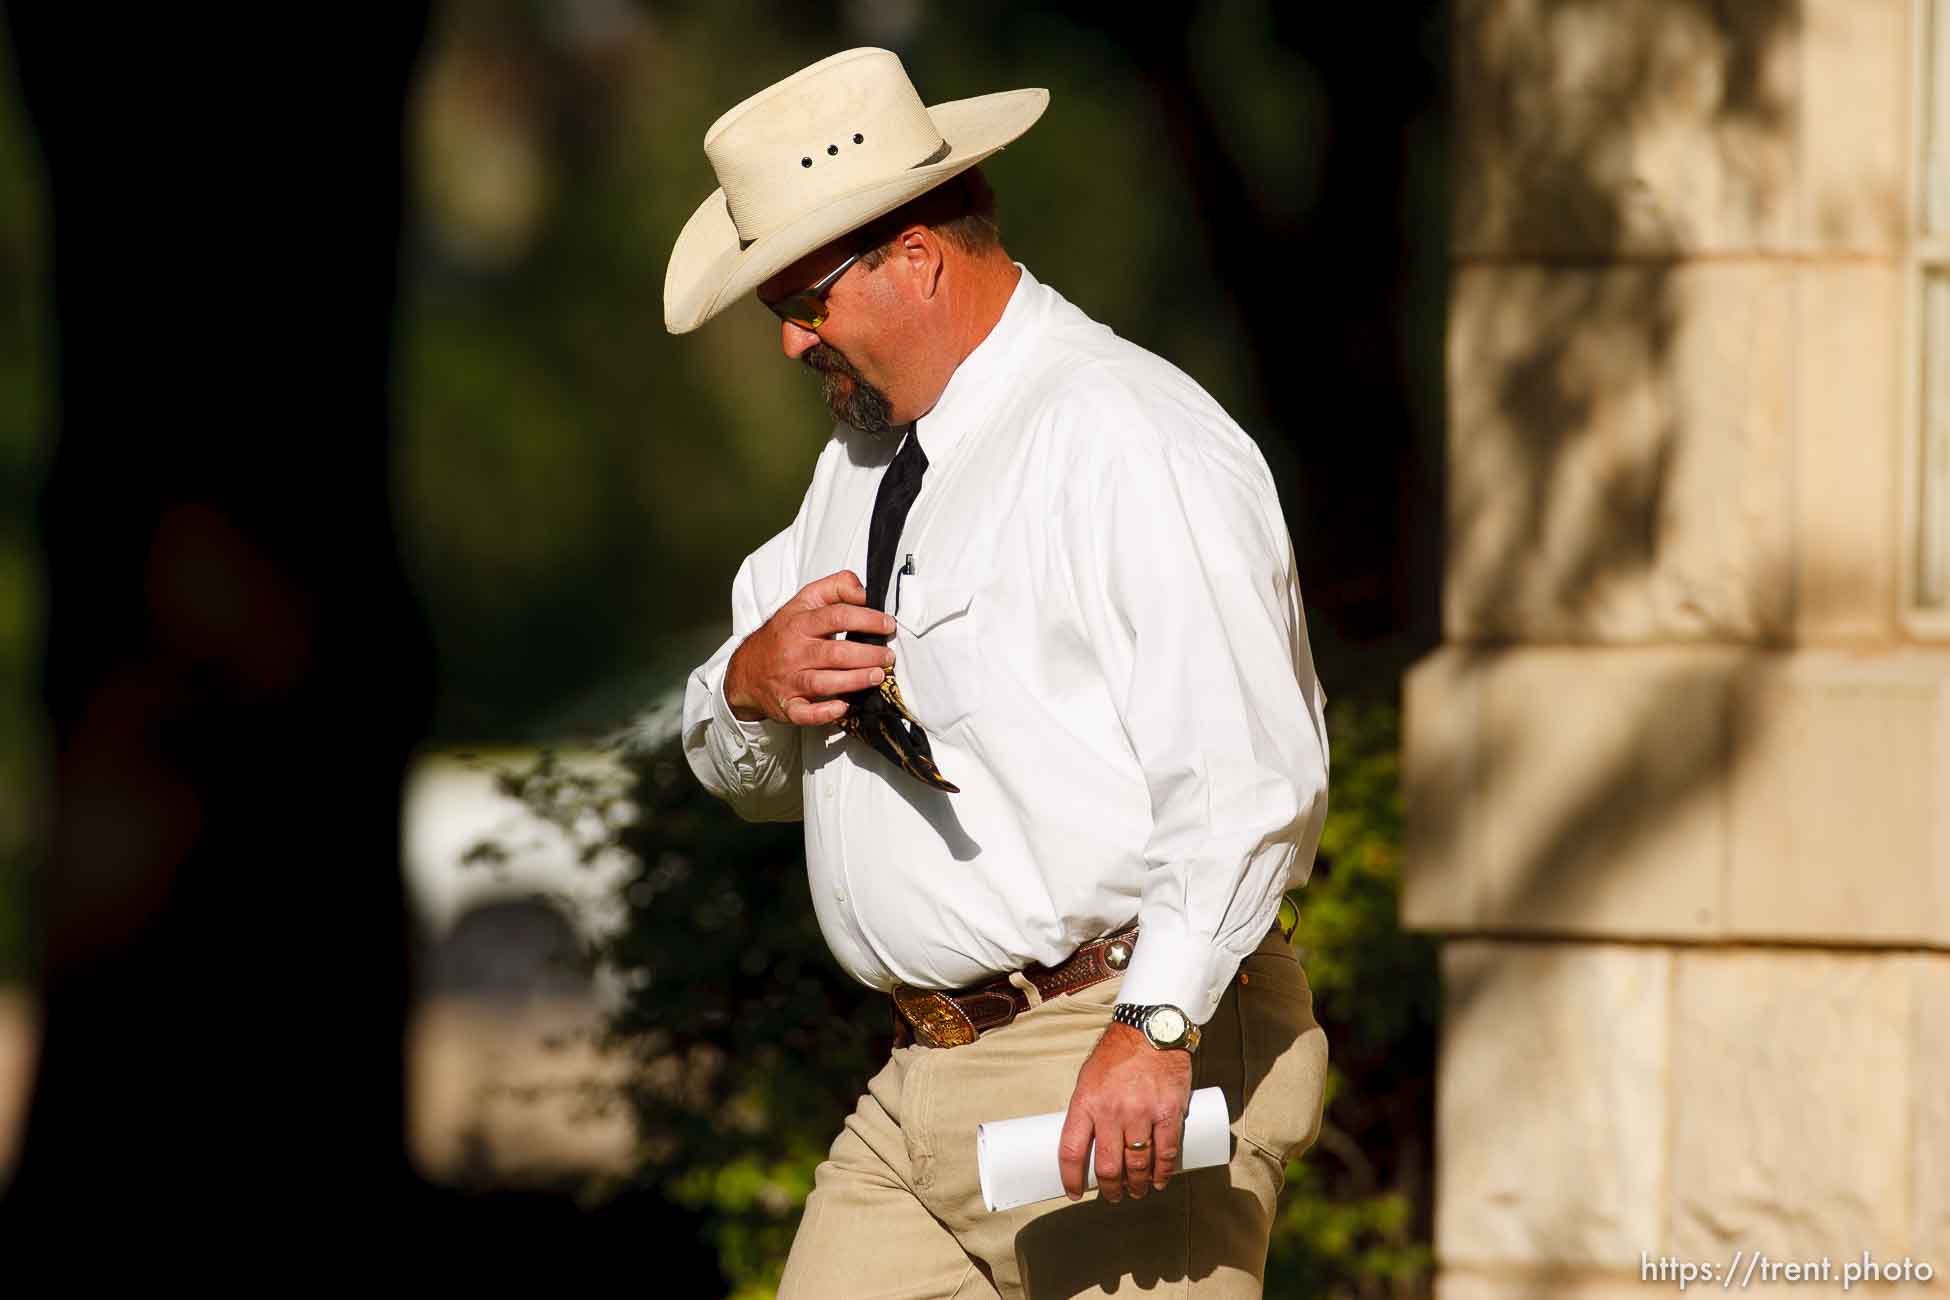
(1128, 1091)
(789, 669)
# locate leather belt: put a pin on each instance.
(954, 1017)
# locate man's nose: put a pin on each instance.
(795, 339)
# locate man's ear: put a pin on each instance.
(919, 249)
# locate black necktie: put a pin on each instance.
(877, 714)
(898, 488)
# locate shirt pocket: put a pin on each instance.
(937, 656)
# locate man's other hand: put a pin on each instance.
(791, 668)
(1128, 1091)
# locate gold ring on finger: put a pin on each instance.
(1141, 1144)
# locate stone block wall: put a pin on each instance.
(1678, 781)
(1601, 1102)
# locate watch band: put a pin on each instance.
(1138, 1016)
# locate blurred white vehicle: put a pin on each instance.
(486, 872)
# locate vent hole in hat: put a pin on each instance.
(858, 138)
(805, 162)
(832, 149)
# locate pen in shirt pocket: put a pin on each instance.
(906, 570)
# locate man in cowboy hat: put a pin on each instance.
(1062, 842)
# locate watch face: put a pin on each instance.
(1167, 1025)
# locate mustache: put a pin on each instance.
(827, 359)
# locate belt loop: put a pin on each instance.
(1287, 919)
(1030, 991)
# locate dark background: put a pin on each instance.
(339, 420)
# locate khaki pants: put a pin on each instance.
(896, 1210)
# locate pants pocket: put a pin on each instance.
(1283, 1057)
(917, 1115)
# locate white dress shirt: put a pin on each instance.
(1104, 638)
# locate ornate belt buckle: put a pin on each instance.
(937, 1021)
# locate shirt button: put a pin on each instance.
(828, 792)
(839, 895)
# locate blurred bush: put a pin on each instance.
(25, 408)
(754, 1046)
(1355, 1218)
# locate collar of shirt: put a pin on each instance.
(972, 390)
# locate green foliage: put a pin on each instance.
(1351, 1223)
(25, 383)
(1326, 1244)
(754, 1043)
(755, 1046)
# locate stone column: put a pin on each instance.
(1678, 781)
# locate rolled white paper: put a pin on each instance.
(1019, 1164)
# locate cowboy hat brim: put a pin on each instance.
(708, 270)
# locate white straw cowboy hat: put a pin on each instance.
(819, 154)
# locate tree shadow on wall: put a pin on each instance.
(1626, 457)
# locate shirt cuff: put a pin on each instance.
(1172, 966)
(753, 732)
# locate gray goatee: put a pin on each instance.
(848, 394)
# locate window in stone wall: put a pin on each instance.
(1928, 506)
(1931, 584)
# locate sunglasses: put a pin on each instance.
(807, 308)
